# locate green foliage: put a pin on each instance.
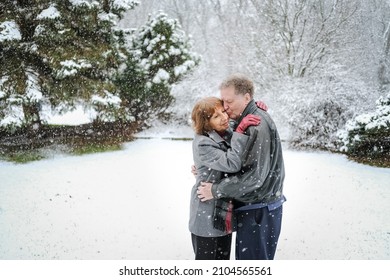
(160, 57)
(60, 53)
(368, 135)
(96, 148)
(57, 52)
(23, 156)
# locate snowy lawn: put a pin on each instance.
(133, 204)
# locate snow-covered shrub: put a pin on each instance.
(161, 57)
(368, 134)
(106, 107)
(317, 107)
(315, 124)
(11, 117)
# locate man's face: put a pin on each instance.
(233, 103)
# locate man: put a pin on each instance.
(258, 187)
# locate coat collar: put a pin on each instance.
(249, 109)
(218, 138)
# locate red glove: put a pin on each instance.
(247, 121)
(261, 105)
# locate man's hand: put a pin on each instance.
(204, 191)
(194, 171)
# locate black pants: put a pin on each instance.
(212, 248)
(258, 232)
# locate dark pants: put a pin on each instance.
(212, 248)
(258, 232)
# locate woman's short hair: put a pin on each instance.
(202, 112)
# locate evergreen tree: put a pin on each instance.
(160, 57)
(56, 52)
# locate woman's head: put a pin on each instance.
(208, 114)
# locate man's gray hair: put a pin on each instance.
(241, 83)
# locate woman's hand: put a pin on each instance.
(204, 191)
(261, 105)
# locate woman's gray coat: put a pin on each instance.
(213, 157)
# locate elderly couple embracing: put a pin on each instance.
(239, 170)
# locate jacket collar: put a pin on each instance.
(249, 109)
(218, 138)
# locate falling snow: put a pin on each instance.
(108, 206)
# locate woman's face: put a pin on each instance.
(219, 121)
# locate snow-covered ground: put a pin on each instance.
(133, 204)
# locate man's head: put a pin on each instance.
(236, 92)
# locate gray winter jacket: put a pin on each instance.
(213, 156)
(261, 178)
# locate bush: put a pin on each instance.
(368, 135)
(315, 125)
(317, 107)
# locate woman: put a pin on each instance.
(216, 151)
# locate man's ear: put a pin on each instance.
(247, 98)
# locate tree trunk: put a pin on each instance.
(31, 117)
